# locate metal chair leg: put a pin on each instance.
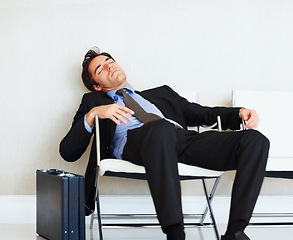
(92, 220)
(99, 216)
(211, 211)
(97, 199)
(212, 194)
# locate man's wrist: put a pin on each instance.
(86, 124)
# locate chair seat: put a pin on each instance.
(122, 166)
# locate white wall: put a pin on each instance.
(211, 46)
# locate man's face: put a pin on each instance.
(107, 74)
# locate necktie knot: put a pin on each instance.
(121, 91)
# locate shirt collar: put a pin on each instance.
(112, 93)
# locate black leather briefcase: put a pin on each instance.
(60, 205)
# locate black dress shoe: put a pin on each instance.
(237, 236)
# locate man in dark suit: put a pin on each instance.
(160, 144)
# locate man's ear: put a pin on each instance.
(97, 87)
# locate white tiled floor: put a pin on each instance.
(28, 232)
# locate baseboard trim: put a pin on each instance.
(21, 209)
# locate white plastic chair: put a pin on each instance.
(273, 107)
(125, 169)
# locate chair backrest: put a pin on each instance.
(276, 115)
(190, 95)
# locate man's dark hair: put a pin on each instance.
(86, 75)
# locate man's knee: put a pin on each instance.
(151, 142)
(160, 130)
(151, 136)
(258, 145)
(258, 138)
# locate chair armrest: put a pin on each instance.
(243, 125)
(217, 124)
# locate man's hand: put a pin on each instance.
(115, 112)
(250, 117)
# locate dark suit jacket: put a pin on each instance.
(170, 104)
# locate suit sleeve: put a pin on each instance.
(75, 143)
(197, 115)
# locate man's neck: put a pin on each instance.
(112, 92)
(115, 88)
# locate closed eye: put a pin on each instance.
(100, 68)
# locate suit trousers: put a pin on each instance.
(159, 146)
